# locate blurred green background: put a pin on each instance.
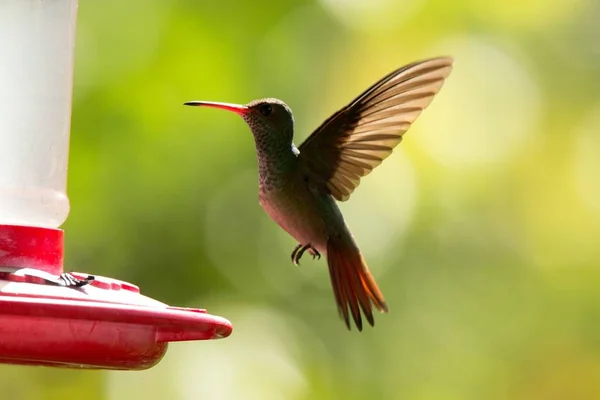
(482, 229)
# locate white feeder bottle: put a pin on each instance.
(46, 317)
(36, 75)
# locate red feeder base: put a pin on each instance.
(105, 324)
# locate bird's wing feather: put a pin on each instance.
(357, 138)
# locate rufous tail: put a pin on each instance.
(353, 284)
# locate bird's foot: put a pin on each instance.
(299, 251)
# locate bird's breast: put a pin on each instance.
(294, 207)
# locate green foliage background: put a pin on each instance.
(482, 229)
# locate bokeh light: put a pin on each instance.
(587, 160)
(379, 222)
(491, 99)
(377, 15)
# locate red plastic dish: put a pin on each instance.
(105, 324)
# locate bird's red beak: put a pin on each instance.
(236, 108)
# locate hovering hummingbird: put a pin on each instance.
(298, 187)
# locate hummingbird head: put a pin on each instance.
(269, 119)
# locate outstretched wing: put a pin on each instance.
(361, 135)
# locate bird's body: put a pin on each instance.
(284, 194)
(299, 209)
(295, 204)
(298, 187)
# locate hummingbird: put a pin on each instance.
(299, 186)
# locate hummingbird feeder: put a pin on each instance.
(48, 317)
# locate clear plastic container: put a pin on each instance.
(37, 40)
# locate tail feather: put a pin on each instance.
(339, 293)
(353, 284)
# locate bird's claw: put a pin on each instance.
(294, 253)
(314, 253)
(299, 251)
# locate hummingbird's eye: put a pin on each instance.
(265, 109)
